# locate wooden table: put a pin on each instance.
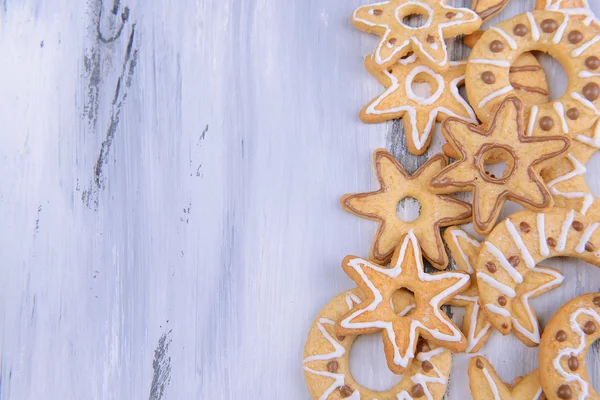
(169, 192)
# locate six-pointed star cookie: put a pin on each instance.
(400, 333)
(436, 210)
(418, 113)
(505, 139)
(486, 385)
(398, 38)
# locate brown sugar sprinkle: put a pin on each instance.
(514, 260)
(346, 391)
(427, 366)
(589, 247)
(578, 226)
(430, 39)
(525, 227)
(561, 336)
(332, 366)
(450, 15)
(392, 41)
(491, 267)
(377, 11)
(340, 338)
(551, 242)
(502, 301)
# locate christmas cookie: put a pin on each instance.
(326, 358)
(488, 8)
(418, 113)
(401, 333)
(564, 347)
(573, 43)
(574, 8)
(511, 253)
(388, 19)
(485, 384)
(504, 139)
(436, 210)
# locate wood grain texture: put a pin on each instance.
(169, 190)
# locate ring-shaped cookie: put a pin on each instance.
(564, 347)
(510, 254)
(573, 43)
(326, 358)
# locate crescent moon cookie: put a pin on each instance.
(503, 139)
(485, 384)
(565, 344)
(387, 19)
(488, 8)
(401, 333)
(569, 40)
(436, 210)
(418, 113)
(327, 356)
(574, 8)
(510, 254)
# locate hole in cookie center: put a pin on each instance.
(495, 163)
(592, 361)
(422, 89)
(401, 303)
(558, 80)
(368, 365)
(592, 179)
(408, 209)
(415, 20)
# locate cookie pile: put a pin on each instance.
(543, 145)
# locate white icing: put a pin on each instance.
(535, 32)
(591, 141)
(421, 69)
(585, 102)
(407, 310)
(560, 110)
(532, 118)
(561, 30)
(403, 359)
(502, 288)
(352, 299)
(472, 339)
(497, 310)
(429, 11)
(338, 349)
(492, 384)
(512, 272)
(511, 42)
(544, 250)
(579, 51)
(562, 240)
(495, 94)
(338, 381)
(578, 169)
(520, 245)
(587, 234)
(496, 63)
(456, 233)
(588, 74)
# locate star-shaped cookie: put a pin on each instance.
(504, 139)
(401, 333)
(388, 19)
(486, 385)
(418, 113)
(436, 210)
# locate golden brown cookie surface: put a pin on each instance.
(485, 384)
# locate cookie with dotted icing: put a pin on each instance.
(437, 211)
(503, 138)
(327, 358)
(486, 385)
(512, 251)
(388, 20)
(401, 333)
(574, 8)
(573, 43)
(564, 347)
(419, 114)
(488, 8)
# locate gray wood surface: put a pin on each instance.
(169, 183)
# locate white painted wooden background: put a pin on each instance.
(169, 181)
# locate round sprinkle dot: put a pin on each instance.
(577, 225)
(520, 30)
(488, 77)
(496, 46)
(575, 37)
(546, 123)
(332, 366)
(551, 242)
(549, 25)
(525, 227)
(561, 336)
(502, 301)
(479, 364)
(572, 113)
(564, 392)
(573, 363)
(346, 391)
(591, 91)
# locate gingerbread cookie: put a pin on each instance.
(505, 139)
(326, 362)
(436, 210)
(388, 19)
(564, 347)
(485, 384)
(488, 8)
(574, 8)
(401, 333)
(418, 113)
(569, 40)
(512, 251)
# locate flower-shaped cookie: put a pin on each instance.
(401, 333)
(485, 383)
(504, 139)
(398, 38)
(436, 210)
(418, 113)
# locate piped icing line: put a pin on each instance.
(399, 359)
(502, 288)
(562, 240)
(496, 94)
(560, 111)
(456, 233)
(407, 310)
(425, 380)
(587, 234)
(338, 381)
(472, 339)
(591, 141)
(352, 299)
(532, 118)
(535, 32)
(495, 63)
(578, 169)
(498, 310)
(512, 272)
(581, 49)
(585, 102)
(561, 31)
(338, 349)
(454, 90)
(588, 74)
(544, 250)
(511, 42)
(491, 384)
(570, 376)
(519, 242)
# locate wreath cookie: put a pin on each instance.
(485, 384)
(401, 333)
(510, 254)
(504, 139)
(386, 19)
(436, 210)
(573, 43)
(574, 8)
(326, 358)
(564, 347)
(418, 114)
